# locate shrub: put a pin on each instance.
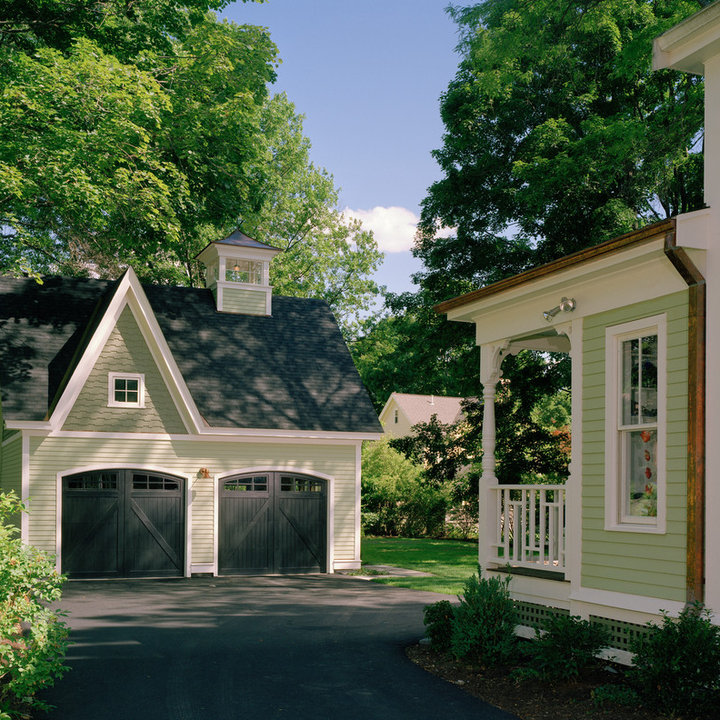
(438, 619)
(33, 638)
(677, 665)
(608, 695)
(483, 629)
(394, 499)
(567, 646)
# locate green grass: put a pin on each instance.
(450, 562)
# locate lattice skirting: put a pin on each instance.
(621, 633)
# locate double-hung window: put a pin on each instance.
(635, 425)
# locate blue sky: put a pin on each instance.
(367, 76)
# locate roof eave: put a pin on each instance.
(610, 247)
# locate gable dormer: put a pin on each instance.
(237, 272)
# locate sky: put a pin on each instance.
(368, 77)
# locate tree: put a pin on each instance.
(294, 207)
(558, 135)
(108, 160)
(134, 134)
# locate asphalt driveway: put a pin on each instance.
(317, 646)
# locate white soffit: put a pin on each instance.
(689, 44)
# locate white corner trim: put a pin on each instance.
(25, 488)
(358, 500)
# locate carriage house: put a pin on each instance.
(161, 431)
(630, 533)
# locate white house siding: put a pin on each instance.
(126, 352)
(645, 564)
(50, 456)
(242, 300)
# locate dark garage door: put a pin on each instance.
(273, 523)
(123, 523)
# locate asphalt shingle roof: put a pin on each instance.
(290, 371)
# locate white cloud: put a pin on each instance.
(393, 227)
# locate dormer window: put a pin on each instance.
(244, 271)
(126, 390)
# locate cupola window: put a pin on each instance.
(244, 271)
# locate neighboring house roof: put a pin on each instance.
(420, 408)
(290, 371)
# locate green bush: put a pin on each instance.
(484, 624)
(609, 695)
(438, 619)
(394, 499)
(676, 668)
(33, 638)
(566, 646)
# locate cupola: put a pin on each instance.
(237, 272)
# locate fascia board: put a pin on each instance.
(216, 435)
(43, 425)
(128, 292)
(94, 347)
(635, 280)
(163, 357)
(556, 282)
(690, 43)
(235, 251)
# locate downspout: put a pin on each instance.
(695, 567)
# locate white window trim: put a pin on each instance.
(140, 377)
(614, 336)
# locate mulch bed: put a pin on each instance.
(529, 699)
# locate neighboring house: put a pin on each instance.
(171, 431)
(403, 410)
(626, 537)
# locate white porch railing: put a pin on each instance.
(530, 529)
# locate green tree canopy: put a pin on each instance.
(557, 135)
(135, 133)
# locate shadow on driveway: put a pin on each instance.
(296, 647)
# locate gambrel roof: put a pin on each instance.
(291, 371)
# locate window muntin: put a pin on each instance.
(244, 271)
(635, 430)
(638, 426)
(126, 390)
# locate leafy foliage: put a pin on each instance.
(135, 133)
(558, 135)
(567, 646)
(394, 501)
(33, 638)
(483, 629)
(438, 620)
(676, 668)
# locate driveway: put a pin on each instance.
(295, 647)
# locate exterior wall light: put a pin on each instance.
(566, 305)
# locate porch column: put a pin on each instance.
(573, 486)
(491, 357)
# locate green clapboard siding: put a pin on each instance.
(125, 351)
(50, 456)
(244, 301)
(11, 470)
(644, 564)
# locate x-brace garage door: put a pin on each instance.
(272, 523)
(123, 523)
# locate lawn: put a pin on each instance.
(450, 562)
